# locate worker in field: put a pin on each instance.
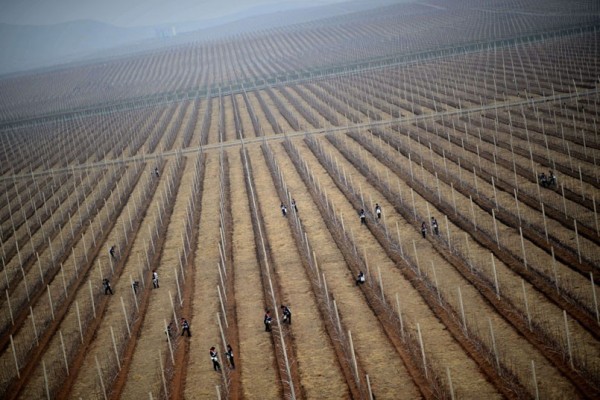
(170, 330)
(435, 226)
(155, 279)
(214, 358)
(360, 279)
(283, 209)
(294, 205)
(287, 315)
(424, 229)
(107, 288)
(135, 285)
(378, 210)
(156, 172)
(185, 327)
(112, 252)
(267, 321)
(229, 355)
(363, 217)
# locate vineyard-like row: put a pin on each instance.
(480, 280)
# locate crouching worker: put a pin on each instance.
(360, 279)
(287, 315)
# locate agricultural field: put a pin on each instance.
(480, 275)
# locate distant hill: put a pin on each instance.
(25, 47)
(30, 47)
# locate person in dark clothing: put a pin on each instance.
(155, 279)
(360, 279)
(156, 172)
(435, 227)
(169, 331)
(215, 359)
(363, 217)
(294, 205)
(229, 355)
(551, 178)
(283, 209)
(112, 252)
(287, 315)
(423, 229)
(107, 288)
(268, 320)
(185, 325)
(378, 211)
(135, 285)
(543, 180)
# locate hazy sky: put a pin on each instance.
(125, 12)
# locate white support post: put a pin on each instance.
(422, 350)
(450, 386)
(417, 258)
(594, 297)
(34, 326)
(462, 311)
(100, 377)
(125, 317)
(46, 380)
(526, 305)
(92, 298)
(577, 240)
(50, 301)
(523, 247)
(495, 227)
(534, 378)
(495, 276)
(64, 351)
(114, 342)
(354, 364)
(369, 387)
(14, 351)
(399, 310)
(568, 336)
(9, 307)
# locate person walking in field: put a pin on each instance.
(435, 227)
(214, 358)
(135, 285)
(378, 211)
(283, 209)
(107, 288)
(229, 355)
(185, 325)
(156, 172)
(267, 321)
(112, 252)
(155, 279)
(423, 229)
(294, 205)
(287, 315)
(363, 217)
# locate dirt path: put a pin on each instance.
(388, 376)
(259, 377)
(478, 312)
(205, 304)
(145, 366)
(314, 354)
(114, 316)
